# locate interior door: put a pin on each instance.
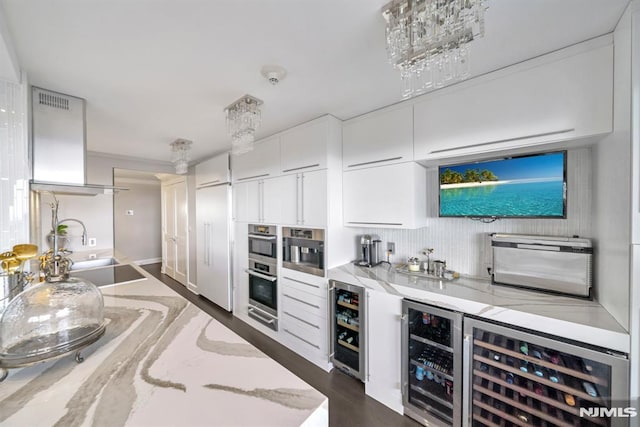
(168, 227)
(175, 231)
(181, 233)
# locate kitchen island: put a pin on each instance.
(162, 361)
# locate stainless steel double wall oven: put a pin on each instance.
(263, 279)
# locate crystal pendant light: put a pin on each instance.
(180, 155)
(243, 119)
(427, 40)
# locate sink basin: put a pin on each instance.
(93, 263)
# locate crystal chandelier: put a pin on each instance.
(427, 40)
(179, 156)
(243, 119)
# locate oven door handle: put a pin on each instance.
(252, 310)
(259, 237)
(260, 275)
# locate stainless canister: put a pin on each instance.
(11, 284)
(439, 268)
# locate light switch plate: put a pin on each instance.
(92, 241)
(130, 212)
(391, 248)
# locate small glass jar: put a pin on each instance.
(413, 264)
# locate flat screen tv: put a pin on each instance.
(528, 186)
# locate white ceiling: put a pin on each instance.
(153, 71)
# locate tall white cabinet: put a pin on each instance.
(213, 231)
(294, 179)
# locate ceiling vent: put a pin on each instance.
(52, 100)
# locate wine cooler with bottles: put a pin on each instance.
(431, 364)
(521, 378)
(347, 328)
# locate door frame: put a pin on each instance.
(167, 181)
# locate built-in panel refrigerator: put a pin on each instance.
(213, 237)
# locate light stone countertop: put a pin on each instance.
(162, 361)
(573, 318)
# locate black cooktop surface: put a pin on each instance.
(109, 275)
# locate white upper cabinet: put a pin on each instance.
(304, 198)
(390, 196)
(213, 171)
(381, 137)
(261, 162)
(308, 146)
(564, 95)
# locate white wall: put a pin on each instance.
(14, 165)
(97, 211)
(139, 236)
(612, 172)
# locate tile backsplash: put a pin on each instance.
(464, 243)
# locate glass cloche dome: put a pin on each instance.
(48, 320)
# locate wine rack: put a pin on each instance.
(521, 383)
(432, 371)
(347, 331)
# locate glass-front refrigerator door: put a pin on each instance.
(519, 378)
(347, 328)
(432, 362)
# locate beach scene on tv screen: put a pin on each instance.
(531, 186)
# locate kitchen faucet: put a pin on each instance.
(84, 229)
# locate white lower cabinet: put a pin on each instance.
(384, 343)
(391, 196)
(303, 316)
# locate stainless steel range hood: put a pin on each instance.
(59, 145)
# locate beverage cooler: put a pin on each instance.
(347, 328)
(519, 378)
(431, 364)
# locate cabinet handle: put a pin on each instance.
(482, 144)
(203, 184)
(297, 199)
(332, 315)
(253, 177)
(466, 379)
(301, 282)
(374, 223)
(302, 201)
(302, 167)
(300, 301)
(374, 162)
(261, 201)
(206, 243)
(302, 339)
(302, 320)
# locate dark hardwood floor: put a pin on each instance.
(348, 405)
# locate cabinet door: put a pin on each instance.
(288, 186)
(382, 137)
(521, 106)
(271, 201)
(392, 196)
(261, 162)
(384, 343)
(246, 201)
(313, 195)
(213, 171)
(304, 147)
